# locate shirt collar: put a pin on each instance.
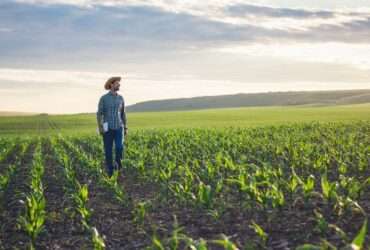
(111, 93)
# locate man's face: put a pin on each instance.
(115, 86)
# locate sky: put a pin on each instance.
(55, 55)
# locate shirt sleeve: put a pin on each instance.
(123, 114)
(99, 114)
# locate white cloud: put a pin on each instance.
(80, 78)
(196, 4)
(215, 10)
(356, 55)
(71, 2)
(6, 30)
(292, 24)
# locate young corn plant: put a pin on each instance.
(5, 179)
(322, 226)
(328, 189)
(112, 183)
(192, 244)
(325, 245)
(164, 176)
(140, 212)
(178, 240)
(157, 244)
(353, 187)
(174, 240)
(359, 240)
(226, 243)
(6, 150)
(308, 187)
(11, 170)
(274, 197)
(97, 240)
(247, 189)
(33, 219)
(293, 184)
(260, 232)
(80, 199)
(205, 196)
(182, 191)
(356, 244)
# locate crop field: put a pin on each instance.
(83, 124)
(294, 186)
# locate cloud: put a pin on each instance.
(71, 32)
(267, 11)
(288, 19)
(5, 29)
(92, 32)
(129, 22)
(57, 78)
(356, 55)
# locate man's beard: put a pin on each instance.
(116, 88)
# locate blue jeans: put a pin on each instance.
(108, 137)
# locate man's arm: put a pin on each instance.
(123, 115)
(99, 115)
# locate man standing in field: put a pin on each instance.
(112, 124)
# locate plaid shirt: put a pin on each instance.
(111, 109)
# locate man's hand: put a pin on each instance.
(101, 131)
(125, 131)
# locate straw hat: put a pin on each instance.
(110, 81)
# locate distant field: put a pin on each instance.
(212, 118)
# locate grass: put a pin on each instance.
(212, 118)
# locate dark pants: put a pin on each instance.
(108, 137)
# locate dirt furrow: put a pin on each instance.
(62, 228)
(112, 219)
(11, 236)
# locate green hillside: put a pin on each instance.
(315, 98)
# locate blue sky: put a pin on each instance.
(56, 55)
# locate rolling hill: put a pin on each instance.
(313, 98)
